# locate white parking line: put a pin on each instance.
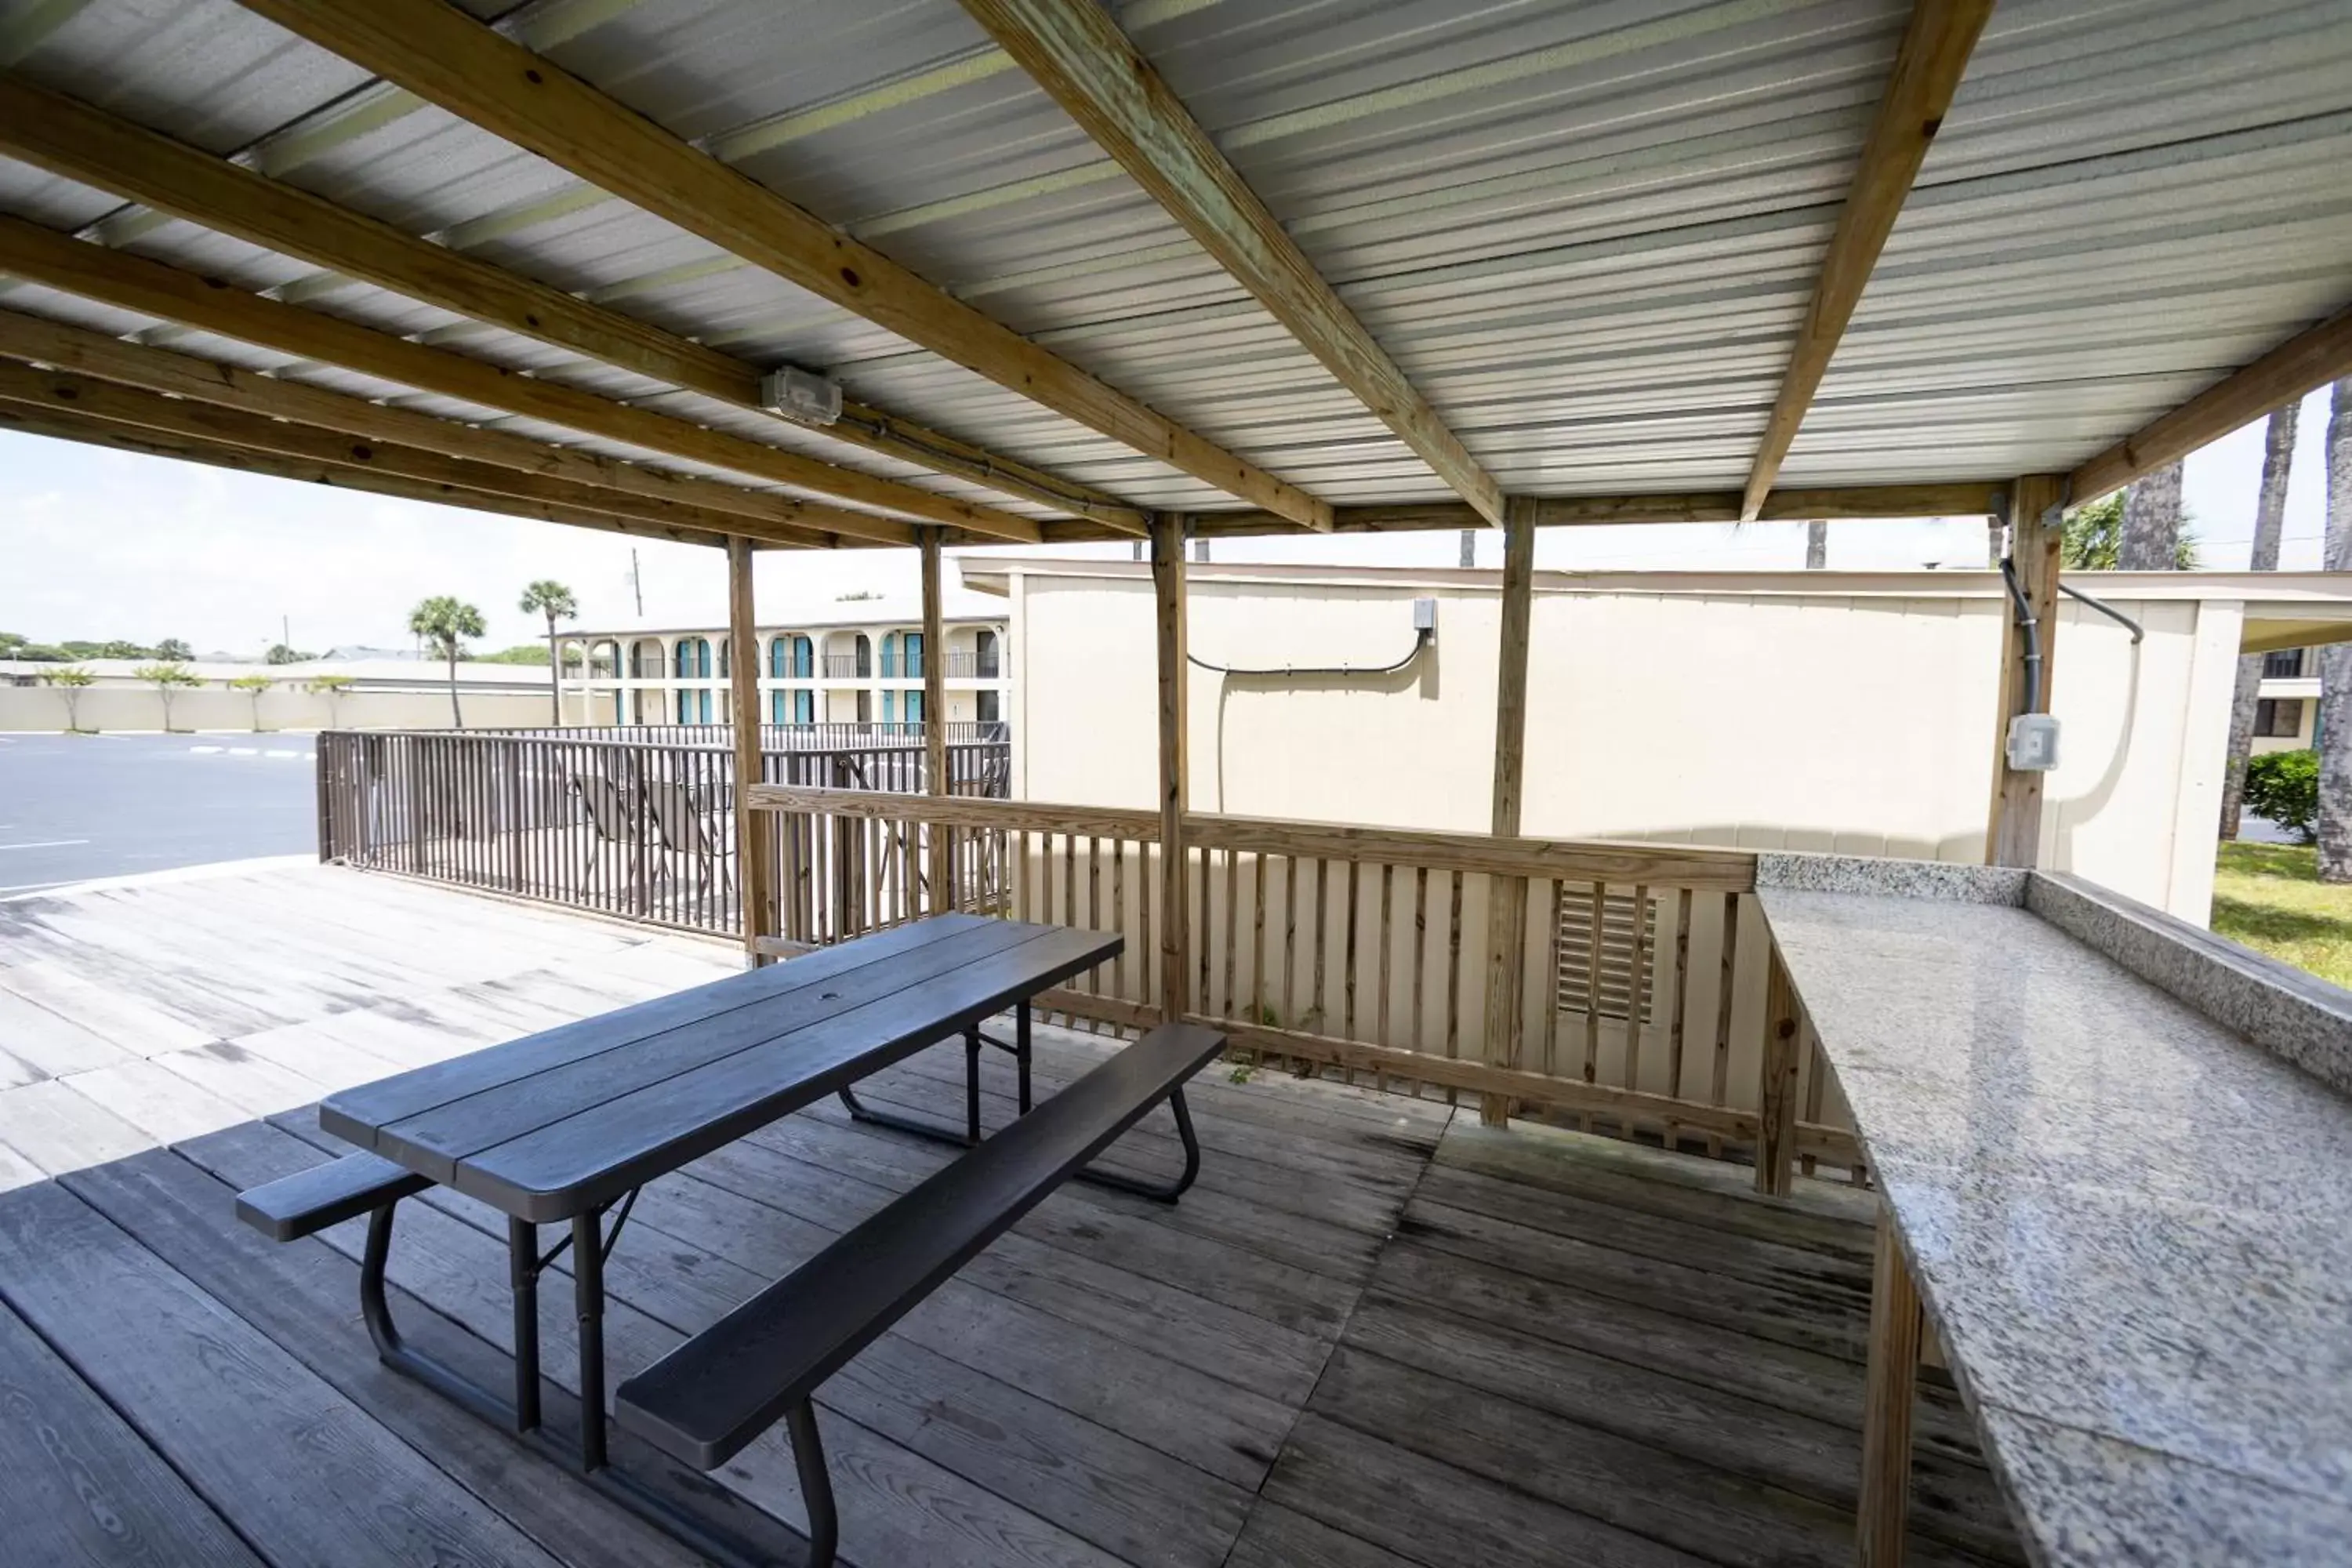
(45, 843)
(245, 751)
(206, 751)
(279, 753)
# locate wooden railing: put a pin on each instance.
(1365, 952)
(629, 828)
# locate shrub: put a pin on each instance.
(2285, 787)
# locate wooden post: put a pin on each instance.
(753, 870)
(1168, 599)
(935, 717)
(1887, 1402)
(1776, 1092)
(2013, 828)
(1507, 897)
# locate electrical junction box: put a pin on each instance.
(2033, 743)
(1425, 618)
(801, 395)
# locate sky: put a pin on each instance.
(99, 544)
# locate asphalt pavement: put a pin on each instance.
(74, 808)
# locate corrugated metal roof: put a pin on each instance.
(1587, 231)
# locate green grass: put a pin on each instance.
(2269, 895)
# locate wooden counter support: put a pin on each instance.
(753, 860)
(1776, 1090)
(1894, 1326)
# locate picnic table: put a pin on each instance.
(566, 1126)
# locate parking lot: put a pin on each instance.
(73, 807)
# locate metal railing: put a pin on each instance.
(973, 666)
(848, 667)
(618, 823)
(830, 735)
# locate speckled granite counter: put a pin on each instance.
(2131, 1225)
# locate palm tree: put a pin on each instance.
(2270, 518)
(2150, 536)
(2334, 739)
(443, 623)
(552, 599)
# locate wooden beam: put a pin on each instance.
(57, 390)
(1075, 51)
(82, 142)
(441, 53)
(1507, 897)
(935, 714)
(2308, 360)
(1168, 616)
(2013, 827)
(1888, 1392)
(1928, 68)
(152, 443)
(1973, 497)
(754, 865)
(77, 349)
(155, 289)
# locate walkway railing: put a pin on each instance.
(638, 827)
(1641, 975)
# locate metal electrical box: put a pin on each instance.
(801, 395)
(2033, 744)
(1424, 619)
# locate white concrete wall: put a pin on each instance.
(1862, 724)
(37, 708)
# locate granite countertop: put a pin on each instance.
(2131, 1224)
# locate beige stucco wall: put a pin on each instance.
(1833, 722)
(119, 708)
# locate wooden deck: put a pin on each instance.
(1373, 1335)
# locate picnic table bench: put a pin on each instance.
(567, 1125)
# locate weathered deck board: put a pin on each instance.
(1371, 1338)
(82, 1486)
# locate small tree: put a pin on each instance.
(552, 599)
(71, 682)
(2094, 537)
(2285, 787)
(332, 688)
(253, 686)
(444, 622)
(281, 653)
(170, 677)
(173, 648)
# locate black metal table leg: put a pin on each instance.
(588, 1301)
(1165, 1192)
(522, 1277)
(1021, 1049)
(972, 1084)
(816, 1484)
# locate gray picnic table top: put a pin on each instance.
(559, 1123)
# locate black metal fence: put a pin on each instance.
(640, 827)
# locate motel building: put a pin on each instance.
(869, 670)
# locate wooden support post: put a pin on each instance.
(2013, 828)
(1507, 897)
(752, 868)
(1776, 1092)
(1168, 602)
(935, 719)
(1887, 1402)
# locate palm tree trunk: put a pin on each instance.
(554, 674)
(2151, 531)
(2270, 518)
(457, 715)
(2336, 660)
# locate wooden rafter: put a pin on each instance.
(436, 51)
(1075, 51)
(59, 391)
(2306, 361)
(155, 289)
(71, 348)
(66, 426)
(86, 143)
(1928, 68)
